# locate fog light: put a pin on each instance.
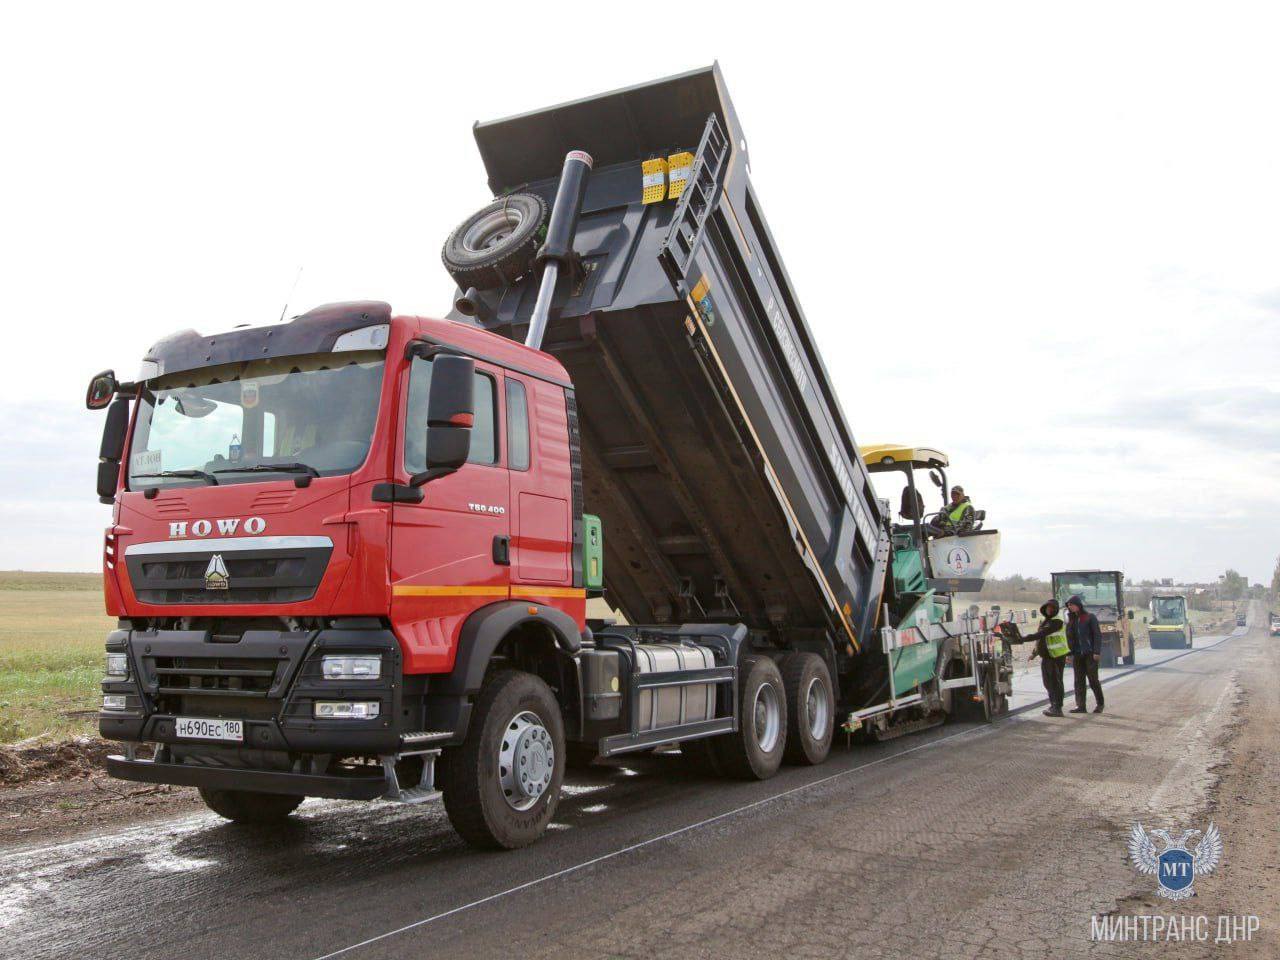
(346, 709)
(113, 701)
(117, 665)
(351, 668)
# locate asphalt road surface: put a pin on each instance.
(967, 840)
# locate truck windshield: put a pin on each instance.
(1168, 608)
(1095, 589)
(262, 420)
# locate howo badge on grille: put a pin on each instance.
(215, 575)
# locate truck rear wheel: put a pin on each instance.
(502, 785)
(247, 806)
(497, 244)
(754, 751)
(810, 708)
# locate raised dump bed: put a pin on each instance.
(713, 446)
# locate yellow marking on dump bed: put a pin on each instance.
(678, 167)
(654, 173)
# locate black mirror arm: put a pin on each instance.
(426, 476)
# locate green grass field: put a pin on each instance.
(52, 627)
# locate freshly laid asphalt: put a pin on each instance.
(928, 845)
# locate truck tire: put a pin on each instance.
(811, 708)
(247, 806)
(497, 244)
(754, 751)
(502, 785)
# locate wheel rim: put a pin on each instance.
(526, 761)
(767, 712)
(492, 229)
(817, 709)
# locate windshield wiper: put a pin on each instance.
(273, 468)
(209, 478)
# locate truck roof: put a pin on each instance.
(337, 327)
(319, 330)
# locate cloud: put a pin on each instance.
(1247, 415)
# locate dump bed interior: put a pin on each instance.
(713, 446)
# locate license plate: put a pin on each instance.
(194, 728)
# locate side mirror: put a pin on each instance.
(102, 388)
(935, 477)
(450, 414)
(111, 451)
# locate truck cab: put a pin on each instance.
(307, 519)
(1103, 594)
(1170, 626)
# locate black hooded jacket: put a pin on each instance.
(1083, 633)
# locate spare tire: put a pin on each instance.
(497, 244)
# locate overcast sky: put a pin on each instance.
(1043, 238)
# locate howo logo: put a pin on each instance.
(226, 527)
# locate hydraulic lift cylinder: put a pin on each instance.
(557, 251)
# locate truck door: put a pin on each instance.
(541, 482)
(448, 552)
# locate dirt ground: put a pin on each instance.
(1245, 804)
(50, 791)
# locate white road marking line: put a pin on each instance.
(985, 728)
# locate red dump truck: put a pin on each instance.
(351, 553)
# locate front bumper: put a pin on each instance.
(268, 679)
(361, 786)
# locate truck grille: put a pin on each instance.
(267, 575)
(223, 676)
(217, 686)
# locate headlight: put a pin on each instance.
(117, 665)
(351, 668)
(346, 710)
(113, 701)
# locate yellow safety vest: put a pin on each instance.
(956, 514)
(1056, 642)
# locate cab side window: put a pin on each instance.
(517, 426)
(484, 432)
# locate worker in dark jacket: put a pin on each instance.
(1085, 637)
(1052, 648)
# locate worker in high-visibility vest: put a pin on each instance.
(956, 517)
(1052, 649)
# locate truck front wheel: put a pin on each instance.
(502, 785)
(754, 751)
(247, 806)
